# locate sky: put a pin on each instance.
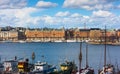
(60, 13)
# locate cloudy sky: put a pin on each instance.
(60, 13)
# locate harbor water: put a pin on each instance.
(56, 53)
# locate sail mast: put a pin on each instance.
(86, 55)
(80, 57)
(105, 49)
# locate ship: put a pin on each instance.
(24, 66)
(10, 66)
(68, 67)
(1, 68)
(43, 68)
(87, 69)
(107, 68)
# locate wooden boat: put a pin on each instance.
(10, 66)
(87, 69)
(107, 68)
(43, 68)
(1, 68)
(24, 66)
(68, 68)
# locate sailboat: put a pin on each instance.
(87, 69)
(107, 68)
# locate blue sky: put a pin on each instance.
(60, 13)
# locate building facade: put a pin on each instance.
(8, 35)
(95, 34)
(44, 35)
(82, 34)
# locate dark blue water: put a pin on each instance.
(56, 53)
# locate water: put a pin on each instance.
(56, 53)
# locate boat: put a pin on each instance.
(22, 41)
(87, 69)
(70, 40)
(10, 66)
(1, 68)
(68, 67)
(107, 68)
(43, 68)
(115, 43)
(24, 66)
(58, 40)
(36, 40)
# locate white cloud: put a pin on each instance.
(17, 17)
(12, 4)
(63, 14)
(43, 4)
(90, 5)
(75, 15)
(22, 17)
(25, 12)
(101, 13)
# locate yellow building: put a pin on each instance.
(8, 35)
(95, 33)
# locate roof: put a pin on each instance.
(95, 29)
(11, 61)
(84, 29)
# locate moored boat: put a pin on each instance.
(107, 68)
(1, 68)
(68, 67)
(24, 66)
(43, 68)
(10, 66)
(87, 69)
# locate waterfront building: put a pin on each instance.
(95, 34)
(44, 35)
(21, 35)
(58, 34)
(118, 34)
(69, 34)
(112, 35)
(82, 34)
(33, 35)
(8, 35)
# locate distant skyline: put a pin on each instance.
(60, 13)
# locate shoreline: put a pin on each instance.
(61, 41)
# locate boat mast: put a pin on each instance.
(86, 55)
(105, 49)
(80, 57)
